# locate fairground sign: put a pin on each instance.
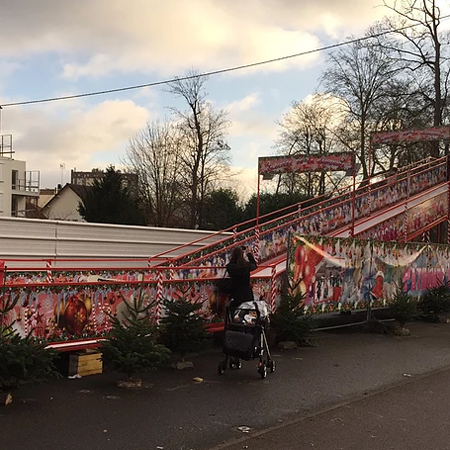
(401, 137)
(270, 165)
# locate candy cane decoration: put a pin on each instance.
(26, 320)
(49, 277)
(273, 288)
(159, 292)
(235, 234)
(94, 318)
(171, 271)
(256, 246)
(405, 223)
(369, 200)
(448, 230)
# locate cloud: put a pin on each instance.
(248, 118)
(81, 137)
(92, 41)
(98, 37)
(245, 104)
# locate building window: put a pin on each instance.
(14, 206)
(1, 200)
(1, 172)
(15, 179)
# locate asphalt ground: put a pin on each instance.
(352, 390)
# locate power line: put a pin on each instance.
(216, 72)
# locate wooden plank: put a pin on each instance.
(86, 363)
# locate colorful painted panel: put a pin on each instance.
(336, 274)
(405, 224)
(62, 313)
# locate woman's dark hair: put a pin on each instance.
(237, 257)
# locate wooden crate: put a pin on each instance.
(88, 362)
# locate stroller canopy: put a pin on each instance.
(257, 305)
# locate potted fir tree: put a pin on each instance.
(292, 326)
(434, 302)
(183, 329)
(404, 309)
(22, 358)
(131, 345)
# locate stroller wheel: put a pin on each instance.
(235, 363)
(271, 365)
(221, 368)
(262, 370)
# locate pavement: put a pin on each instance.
(353, 390)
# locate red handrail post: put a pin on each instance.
(448, 198)
(352, 231)
(2, 273)
(257, 200)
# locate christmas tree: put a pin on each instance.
(290, 321)
(131, 345)
(183, 329)
(22, 358)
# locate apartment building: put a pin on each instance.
(129, 180)
(19, 188)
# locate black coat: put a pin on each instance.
(241, 290)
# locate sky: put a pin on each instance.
(52, 48)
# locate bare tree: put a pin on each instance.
(205, 153)
(155, 155)
(306, 130)
(417, 22)
(363, 76)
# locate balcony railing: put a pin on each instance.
(29, 184)
(6, 145)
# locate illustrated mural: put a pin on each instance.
(337, 274)
(79, 311)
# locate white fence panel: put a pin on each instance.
(33, 238)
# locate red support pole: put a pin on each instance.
(257, 202)
(352, 231)
(448, 199)
(256, 246)
(405, 222)
(369, 195)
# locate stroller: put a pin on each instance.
(245, 337)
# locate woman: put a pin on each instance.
(239, 270)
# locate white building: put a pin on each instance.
(17, 185)
(64, 204)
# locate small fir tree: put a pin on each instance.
(435, 301)
(183, 329)
(403, 307)
(131, 345)
(22, 359)
(290, 321)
